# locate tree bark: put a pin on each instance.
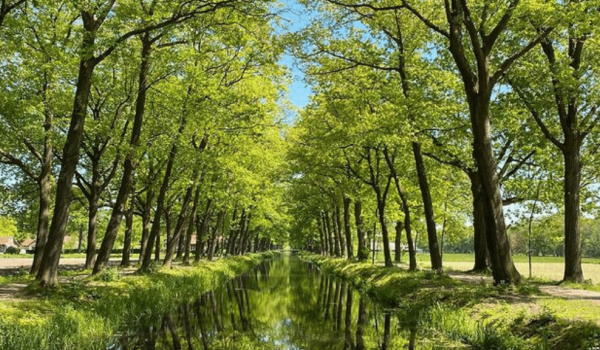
(328, 247)
(480, 245)
(573, 272)
(215, 235)
(48, 272)
(183, 215)
(45, 188)
(126, 256)
(347, 232)
(202, 231)
(322, 245)
(146, 223)
(434, 248)
(246, 234)
(338, 229)
(130, 161)
(334, 246)
(398, 242)
(503, 268)
(233, 246)
(233, 228)
(190, 228)
(93, 204)
(156, 224)
(362, 250)
(384, 230)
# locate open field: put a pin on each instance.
(543, 267)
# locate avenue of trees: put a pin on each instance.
(163, 116)
(140, 124)
(431, 117)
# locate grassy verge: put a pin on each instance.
(479, 316)
(86, 314)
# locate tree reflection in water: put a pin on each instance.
(282, 304)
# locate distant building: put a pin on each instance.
(193, 243)
(376, 246)
(6, 242)
(28, 245)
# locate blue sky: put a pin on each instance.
(294, 20)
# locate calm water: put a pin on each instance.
(282, 304)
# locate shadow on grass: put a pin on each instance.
(479, 315)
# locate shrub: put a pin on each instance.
(13, 250)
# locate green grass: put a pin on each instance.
(546, 268)
(455, 257)
(479, 316)
(86, 314)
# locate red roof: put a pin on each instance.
(8, 241)
(28, 242)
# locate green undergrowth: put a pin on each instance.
(87, 313)
(473, 315)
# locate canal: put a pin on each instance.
(284, 303)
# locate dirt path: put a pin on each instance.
(552, 290)
(12, 291)
(26, 262)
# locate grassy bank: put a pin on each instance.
(476, 315)
(87, 313)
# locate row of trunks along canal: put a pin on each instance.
(435, 311)
(92, 313)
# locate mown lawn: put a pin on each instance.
(549, 268)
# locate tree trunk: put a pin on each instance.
(156, 224)
(322, 245)
(434, 248)
(398, 242)
(237, 233)
(215, 235)
(190, 228)
(384, 231)
(125, 258)
(233, 227)
(327, 250)
(202, 230)
(406, 209)
(334, 247)
(347, 232)
(237, 248)
(246, 234)
(503, 268)
(412, 254)
(169, 233)
(47, 274)
(45, 188)
(174, 241)
(130, 161)
(573, 272)
(146, 223)
(480, 245)
(338, 229)
(93, 200)
(362, 250)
